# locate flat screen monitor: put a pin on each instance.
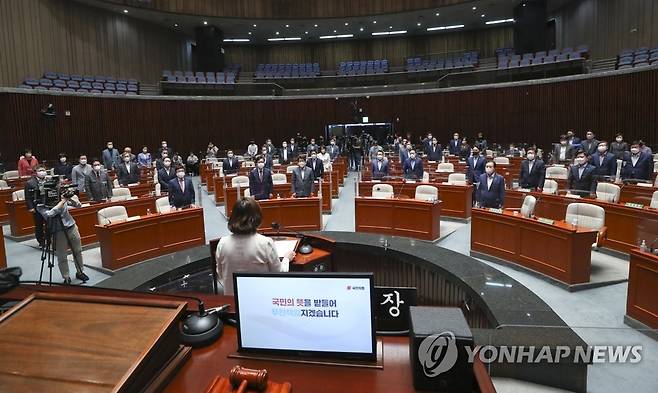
(306, 314)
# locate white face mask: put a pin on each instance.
(489, 170)
(302, 164)
(180, 174)
(455, 137)
(83, 162)
(314, 157)
(126, 159)
(563, 143)
(635, 150)
(380, 158)
(167, 163)
(261, 165)
(62, 160)
(412, 155)
(333, 143)
(580, 161)
(164, 145)
(531, 157)
(619, 139)
(230, 155)
(602, 149)
(110, 147)
(97, 167)
(41, 174)
(285, 145)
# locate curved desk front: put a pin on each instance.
(398, 217)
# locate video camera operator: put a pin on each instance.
(64, 231)
(32, 187)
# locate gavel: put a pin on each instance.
(244, 378)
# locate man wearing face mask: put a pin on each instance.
(454, 145)
(475, 166)
(181, 190)
(110, 156)
(533, 171)
(604, 162)
(563, 152)
(333, 149)
(302, 180)
(269, 162)
(128, 171)
(490, 192)
(481, 142)
(230, 165)
(166, 174)
(413, 167)
(164, 147)
(572, 140)
(98, 184)
(32, 187)
(270, 147)
(260, 180)
(293, 148)
(582, 177)
(619, 148)
(435, 151)
(80, 172)
(379, 167)
(637, 165)
(63, 168)
(311, 146)
(464, 150)
(252, 149)
(285, 154)
(316, 165)
(590, 144)
(27, 164)
(144, 158)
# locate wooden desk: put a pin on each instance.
(456, 201)
(21, 222)
(627, 226)
(279, 190)
(636, 194)
(642, 299)
(294, 214)
(398, 217)
(3, 254)
(560, 251)
(128, 242)
(5, 196)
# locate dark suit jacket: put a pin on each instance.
(376, 173)
(96, 188)
(475, 170)
(269, 163)
(642, 170)
(333, 151)
(404, 155)
(126, 178)
(582, 185)
(319, 167)
(290, 155)
(435, 153)
(30, 190)
(568, 155)
(589, 146)
(164, 177)
(574, 142)
(535, 178)
(609, 166)
(178, 197)
(232, 167)
(454, 146)
(260, 189)
(109, 158)
(416, 172)
(491, 197)
(302, 188)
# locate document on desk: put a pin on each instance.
(283, 247)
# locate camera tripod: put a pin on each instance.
(49, 250)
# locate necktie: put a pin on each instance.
(260, 176)
(302, 174)
(412, 165)
(98, 176)
(182, 185)
(601, 160)
(379, 165)
(128, 167)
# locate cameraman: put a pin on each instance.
(65, 233)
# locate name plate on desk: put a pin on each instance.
(133, 218)
(634, 205)
(409, 181)
(494, 210)
(375, 181)
(392, 310)
(546, 220)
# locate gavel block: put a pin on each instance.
(244, 380)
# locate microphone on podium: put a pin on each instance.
(304, 248)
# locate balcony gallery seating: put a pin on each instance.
(640, 57)
(75, 83)
(464, 60)
(508, 59)
(273, 71)
(362, 67)
(228, 76)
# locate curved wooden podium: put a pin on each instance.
(398, 217)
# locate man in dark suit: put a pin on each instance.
(637, 165)
(294, 148)
(454, 145)
(181, 189)
(333, 149)
(404, 153)
(590, 144)
(533, 171)
(166, 174)
(260, 180)
(128, 171)
(165, 148)
(573, 140)
(230, 164)
(98, 184)
(434, 151)
(582, 177)
(413, 167)
(563, 152)
(427, 143)
(269, 161)
(316, 165)
(31, 189)
(285, 154)
(604, 162)
(109, 156)
(379, 167)
(302, 180)
(491, 188)
(476, 165)
(159, 163)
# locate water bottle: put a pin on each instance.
(148, 212)
(574, 222)
(643, 246)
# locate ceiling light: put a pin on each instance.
(482, 16)
(390, 27)
(175, 24)
(445, 27)
(326, 37)
(287, 25)
(249, 33)
(347, 24)
(495, 22)
(475, 8)
(285, 39)
(389, 32)
(125, 11)
(205, 22)
(315, 25)
(334, 31)
(236, 39)
(277, 33)
(361, 29)
(418, 24)
(437, 14)
(374, 21)
(254, 25)
(306, 32)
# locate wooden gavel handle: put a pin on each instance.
(243, 386)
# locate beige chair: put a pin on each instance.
(382, 191)
(120, 194)
(501, 160)
(10, 175)
(162, 205)
(3, 184)
(18, 195)
(246, 192)
(112, 214)
(457, 179)
(290, 168)
(655, 166)
(158, 189)
(528, 207)
(550, 187)
(489, 153)
(427, 193)
(445, 167)
(557, 172)
(279, 178)
(242, 181)
(654, 200)
(655, 183)
(655, 157)
(608, 192)
(426, 177)
(115, 183)
(589, 216)
(248, 164)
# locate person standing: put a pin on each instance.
(230, 165)
(285, 154)
(27, 164)
(110, 156)
(637, 165)
(302, 180)
(454, 145)
(144, 159)
(192, 164)
(79, 173)
(63, 167)
(98, 184)
(164, 147)
(590, 144)
(260, 180)
(619, 148)
(476, 165)
(434, 152)
(128, 171)
(33, 187)
(379, 167)
(533, 171)
(211, 151)
(413, 167)
(252, 149)
(181, 190)
(490, 192)
(604, 162)
(166, 174)
(316, 165)
(582, 178)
